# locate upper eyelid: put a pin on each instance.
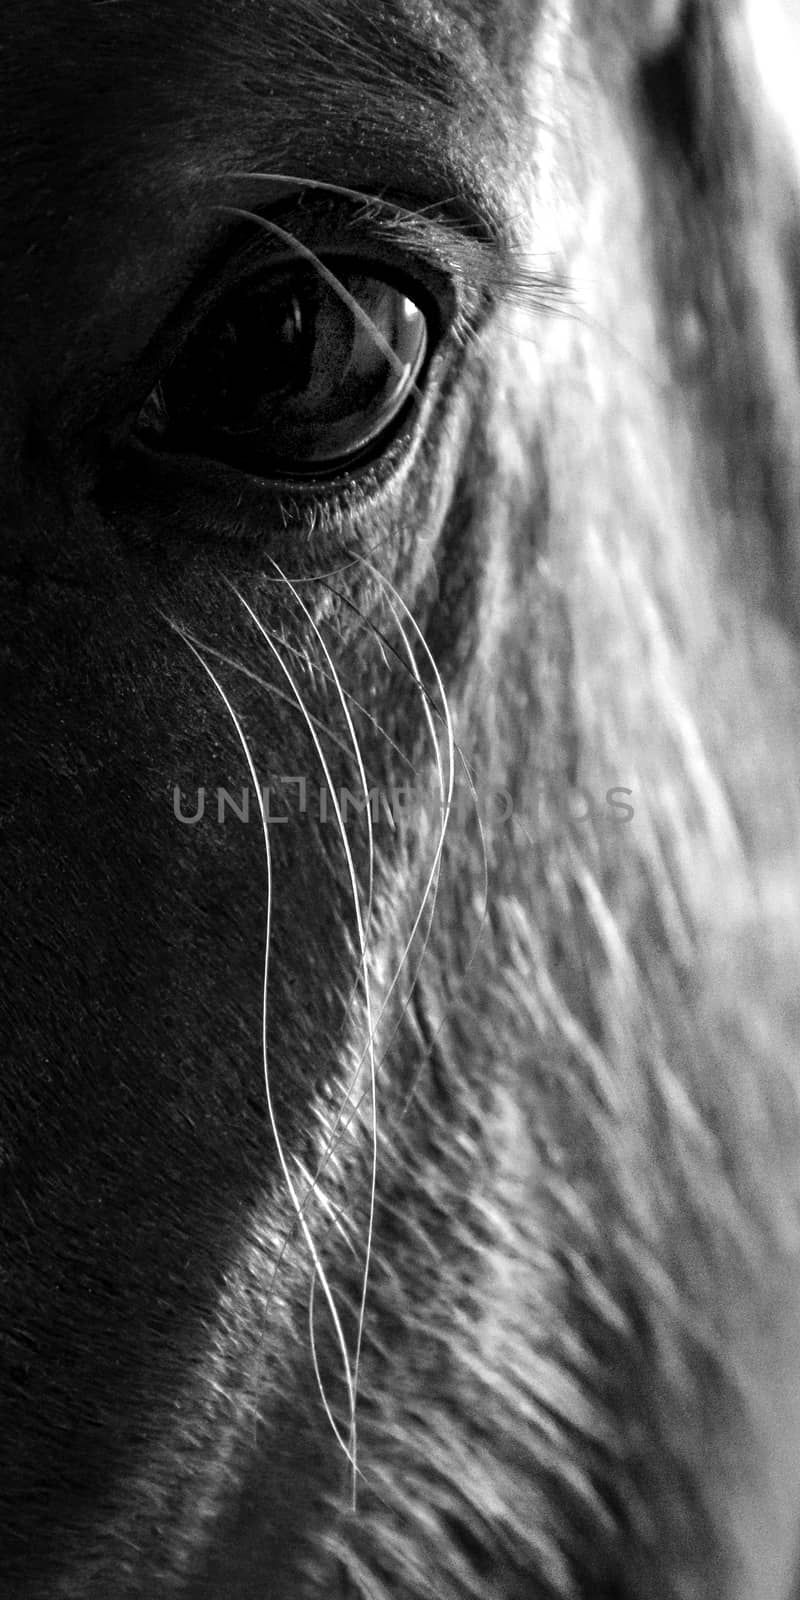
(335, 229)
(233, 262)
(468, 248)
(452, 235)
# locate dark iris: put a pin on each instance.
(292, 376)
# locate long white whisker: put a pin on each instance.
(271, 688)
(445, 791)
(484, 852)
(280, 694)
(437, 754)
(352, 699)
(446, 795)
(352, 1453)
(287, 1177)
(312, 1189)
(365, 970)
(452, 749)
(334, 1213)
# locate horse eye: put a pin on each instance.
(294, 375)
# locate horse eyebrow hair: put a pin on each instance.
(482, 255)
(457, 224)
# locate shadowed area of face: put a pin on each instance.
(144, 1210)
(536, 1072)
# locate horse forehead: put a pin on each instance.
(99, 92)
(82, 38)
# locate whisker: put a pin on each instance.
(351, 1453)
(476, 944)
(333, 678)
(355, 702)
(313, 1188)
(284, 1166)
(333, 572)
(365, 970)
(446, 799)
(369, 624)
(325, 727)
(272, 688)
(334, 1213)
(445, 807)
(331, 1141)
